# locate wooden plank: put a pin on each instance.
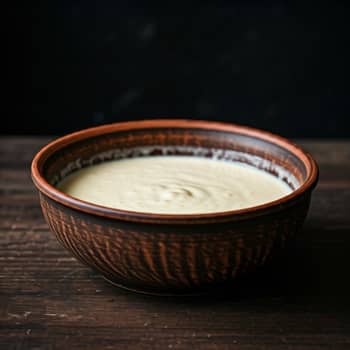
(50, 301)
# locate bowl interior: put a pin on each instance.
(267, 155)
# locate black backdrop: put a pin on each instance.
(273, 65)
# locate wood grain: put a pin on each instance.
(50, 301)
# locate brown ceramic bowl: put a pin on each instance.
(159, 253)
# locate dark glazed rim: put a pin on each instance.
(233, 215)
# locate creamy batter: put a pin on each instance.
(174, 185)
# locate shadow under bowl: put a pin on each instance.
(174, 254)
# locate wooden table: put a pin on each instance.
(50, 301)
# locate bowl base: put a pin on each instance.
(164, 293)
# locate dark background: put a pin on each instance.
(279, 66)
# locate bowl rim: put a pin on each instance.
(224, 216)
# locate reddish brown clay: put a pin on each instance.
(160, 253)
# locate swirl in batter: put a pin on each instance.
(174, 185)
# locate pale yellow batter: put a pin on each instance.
(174, 185)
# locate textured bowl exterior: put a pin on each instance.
(170, 258)
(171, 254)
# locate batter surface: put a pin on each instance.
(174, 185)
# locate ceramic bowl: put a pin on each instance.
(174, 254)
